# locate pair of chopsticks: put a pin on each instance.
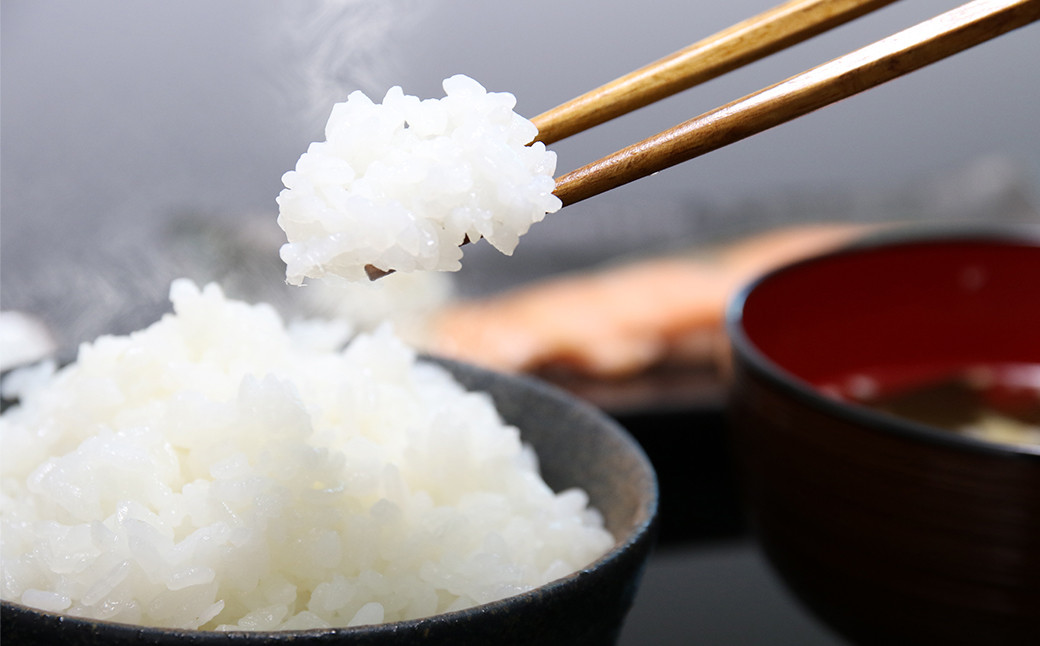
(743, 43)
(750, 40)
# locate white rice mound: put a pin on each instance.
(215, 471)
(400, 185)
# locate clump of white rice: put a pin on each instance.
(23, 339)
(217, 471)
(401, 184)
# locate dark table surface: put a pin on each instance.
(718, 593)
(707, 582)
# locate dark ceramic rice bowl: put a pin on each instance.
(577, 446)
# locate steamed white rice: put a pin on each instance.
(399, 185)
(217, 471)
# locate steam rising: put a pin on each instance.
(338, 46)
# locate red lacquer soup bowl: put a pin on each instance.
(894, 528)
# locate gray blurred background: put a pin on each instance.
(139, 136)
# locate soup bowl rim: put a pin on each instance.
(757, 362)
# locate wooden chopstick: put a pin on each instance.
(906, 51)
(727, 50)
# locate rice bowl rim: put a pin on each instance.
(642, 530)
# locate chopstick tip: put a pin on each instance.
(375, 273)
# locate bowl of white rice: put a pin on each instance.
(220, 476)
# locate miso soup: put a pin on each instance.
(1000, 403)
